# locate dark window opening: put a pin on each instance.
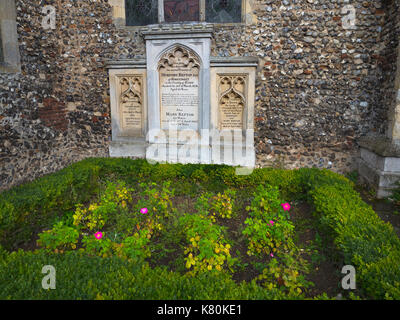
(141, 12)
(220, 11)
(181, 10)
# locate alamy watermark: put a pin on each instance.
(349, 20)
(349, 281)
(49, 21)
(234, 147)
(49, 281)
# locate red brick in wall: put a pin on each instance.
(53, 114)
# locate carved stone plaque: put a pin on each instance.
(179, 90)
(232, 97)
(131, 104)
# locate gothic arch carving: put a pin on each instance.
(179, 55)
(232, 101)
(133, 91)
(131, 103)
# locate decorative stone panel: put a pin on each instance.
(128, 98)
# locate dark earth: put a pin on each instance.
(387, 210)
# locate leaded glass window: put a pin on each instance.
(141, 12)
(181, 10)
(220, 11)
(145, 12)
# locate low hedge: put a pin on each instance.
(25, 208)
(363, 239)
(79, 276)
(366, 242)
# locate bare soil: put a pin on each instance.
(386, 210)
(325, 274)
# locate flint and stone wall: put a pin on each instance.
(319, 86)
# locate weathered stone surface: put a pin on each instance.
(382, 181)
(319, 86)
(381, 145)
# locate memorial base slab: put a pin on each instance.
(379, 164)
(127, 149)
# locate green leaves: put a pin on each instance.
(216, 206)
(61, 237)
(207, 249)
(100, 247)
(268, 226)
(33, 206)
(83, 277)
(364, 240)
(136, 247)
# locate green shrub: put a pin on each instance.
(113, 200)
(268, 228)
(32, 206)
(79, 276)
(116, 213)
(359, 234)
(100, 247)
(216, 206)
(136, 247)
(207, 249)
(381, 278)
(222, 205)
(61, 237)
(285, 276)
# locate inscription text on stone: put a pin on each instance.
(179, 90)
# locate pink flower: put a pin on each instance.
(271, 223)
(285, 206)
(272, 255)
(144, 210)
(98, 235)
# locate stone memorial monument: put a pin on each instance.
(182, 105)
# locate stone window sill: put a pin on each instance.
(122, 26)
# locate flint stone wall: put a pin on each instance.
(319, 87)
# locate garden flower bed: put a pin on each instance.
(126, 229)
